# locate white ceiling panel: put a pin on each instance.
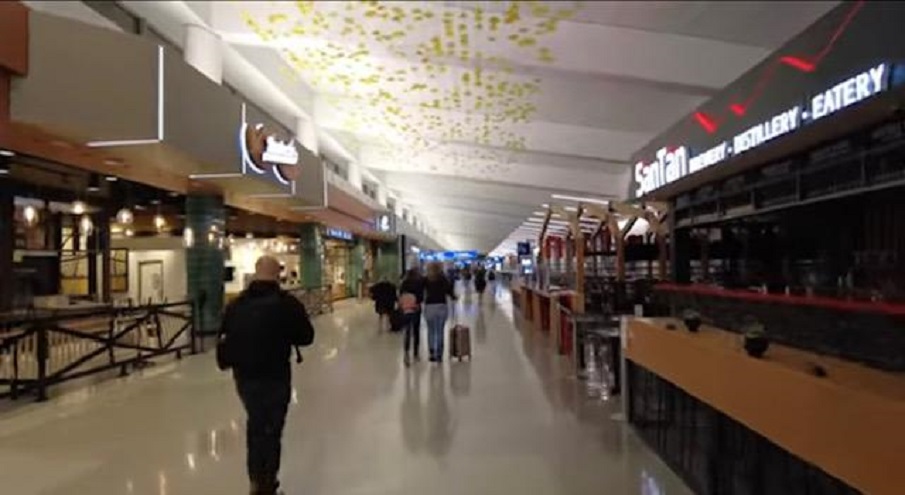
(487, 108)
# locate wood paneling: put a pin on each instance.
(848, 423)
(4, 107)
(14, 37)
(339, 200)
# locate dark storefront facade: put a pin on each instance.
(786, 195)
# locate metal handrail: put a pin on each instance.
(317, 300)
(42, 351)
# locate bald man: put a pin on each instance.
(260, 328)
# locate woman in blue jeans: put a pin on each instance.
(438, 291)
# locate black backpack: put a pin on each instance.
(229, 349)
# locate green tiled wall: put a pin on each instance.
(355, 269)
(388, 264)
(312, 254)
(204, 260)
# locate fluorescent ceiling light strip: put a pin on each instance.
(124, 142)
(160, 80)
(581, 200)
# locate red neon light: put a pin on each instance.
(797, 63)
(802, 63)
(738, 109)
(706, 122)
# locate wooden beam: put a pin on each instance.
(578, 239)
(628, 227)
(542, 240)
(595, 211)
(661, 232)
(613, 224)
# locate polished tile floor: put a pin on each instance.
(510, 422)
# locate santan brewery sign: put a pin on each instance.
(672, 164)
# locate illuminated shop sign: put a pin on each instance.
(672, 164)
(263, 152)
(338, 234)
(385, 223)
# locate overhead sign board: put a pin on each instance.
(449, 256)
(338, 234)
(673, 163)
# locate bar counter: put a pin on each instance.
(867, 332)
(853, 305)
(540, 307)
(848, 423)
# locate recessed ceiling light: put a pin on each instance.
(7, 153)
(111, 178)
(94, 183)
(78, 207)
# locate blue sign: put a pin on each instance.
(338, 234)
(449, 256)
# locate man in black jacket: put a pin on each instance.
(260, 328)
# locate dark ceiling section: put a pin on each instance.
(240, 223)
(36, 178)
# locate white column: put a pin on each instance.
(354, 174)
(306, 133)
(381, 194)
(204, 51)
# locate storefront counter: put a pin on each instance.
(847, 423)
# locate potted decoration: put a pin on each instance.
(756, 342)
(692, 320)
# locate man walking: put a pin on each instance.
(260, 328)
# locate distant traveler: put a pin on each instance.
(410, 301)
(384, 295)
(260, 328)
(438, 290)
(480, 281)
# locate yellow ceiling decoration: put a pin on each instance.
(417, 73)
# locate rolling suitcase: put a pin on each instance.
(460, 342)
(397, 320)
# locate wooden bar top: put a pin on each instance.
(850, 423)
(549, 293)
(794, 300)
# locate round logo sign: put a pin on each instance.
(263, 152)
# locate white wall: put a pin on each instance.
(170, 251)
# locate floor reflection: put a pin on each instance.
(512, 420)
(426, 420)
(460, 378)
